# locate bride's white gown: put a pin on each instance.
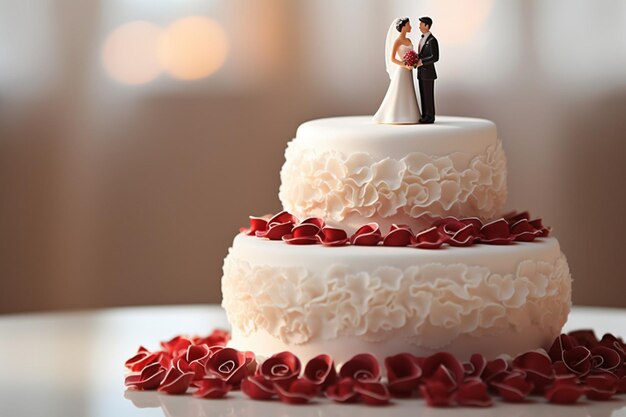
(400, 103)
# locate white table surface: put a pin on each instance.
(71, 364)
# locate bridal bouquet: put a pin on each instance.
(410, 58)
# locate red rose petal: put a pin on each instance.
(578, 360)
(476, 224)
(429, 239)
(523, 231)
(601, 387)
(403, 374)
(176, 382)
(560, 345)
(176, 344)
(473, 392)
(148, 379)
(299, 391)
(331, 236)
(343, 391)
(538, 225)
(449, 225)
(321, 372)
(211, 388)
(514, 216)
(437, 394)
(496, 233)
(276, 231)
(368, 235)
(257, 387)
(363, 367)
(372, 393)
(475, 367)
(317, 221)
(218, 337)
(257, 224)
(398, 236)
(283, 217)
(229, 365)
(605, 358)
(538, 369)
(564, 393)
(495, 370)
(443, 367)
(514, 387)
(463, 237)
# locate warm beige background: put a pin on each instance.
(113, 194)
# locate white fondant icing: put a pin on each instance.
(351, 171)
(417, 299)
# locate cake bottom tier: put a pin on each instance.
(385, 300)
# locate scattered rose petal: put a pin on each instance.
(601, 387)
(605, 358)
(496, 233)
(229, 365)
(429, 239)
(476, 366)
(513, 387)
(495, 370)
(257, 224)
(473, 392)
(372, 393)
(218, 337)
(343, 391)
(368, 235)
(445, 368)
(317, 221)
(331, 236)
(299, 391)
(175, 381)
(211, 388)
(398, 236)
(523, 231)
(303, 234)
(578, 360)
(564, 392)
(148, 379)
(538, 369)
(463, 237)
(437, 394)
(257, 387)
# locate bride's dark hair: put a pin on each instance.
(401, 22)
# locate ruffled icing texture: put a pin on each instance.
(333, 186)
(429, 305)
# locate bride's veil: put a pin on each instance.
(392, 35)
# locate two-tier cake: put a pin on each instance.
(349, 173)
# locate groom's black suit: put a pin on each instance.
(426, 76)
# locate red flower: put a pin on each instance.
(331, 236)
(399, 235)
(176, 345)
(141, 359)
(475, 367)
(538, 225)
(368, 235)
(217, 338)
(610, 341)
(496, 233)
(578, 360)
(403, 374)
(363, 367)
(586, 338)
(443, 367)
(560, 345)
(299, 391)
(524, 231)
(230, 365)
(303, 234)
(462, 237)
(429, 239)
(437, 394)
(476, 224)
(343, 391)
(211, 388)
(257, 387)
(564, 391)
(257, 224)
(281, 368)
(537, 367)
(601, 387)
(514, 216)
(321, 372)
(473, 392)
(278, 226)
(495, 370)
(372, 393)
(176, 381)
(514, 387)
(317, 221)
(197, 357)
(149, 378)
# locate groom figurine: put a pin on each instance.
(428, 53)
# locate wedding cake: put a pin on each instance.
(394, 240)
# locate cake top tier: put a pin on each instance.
(351, 171)
(450, 135)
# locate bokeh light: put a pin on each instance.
(463, 19)
(130, 53)
(193, 47)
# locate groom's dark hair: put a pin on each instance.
(427, 21)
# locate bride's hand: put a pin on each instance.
(410, 68)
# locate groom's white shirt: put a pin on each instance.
(423, 41)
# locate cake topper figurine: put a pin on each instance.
(400, 103)
(428, 53)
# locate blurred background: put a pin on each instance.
(136, 136)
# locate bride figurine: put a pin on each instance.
(400, 103)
